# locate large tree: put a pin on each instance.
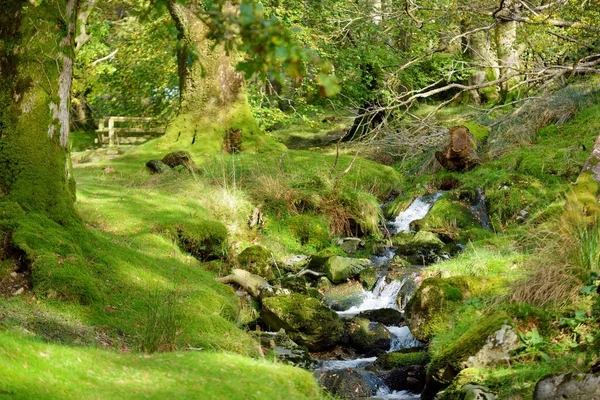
(36, 69)
(214, 112)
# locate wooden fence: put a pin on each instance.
(131, 130)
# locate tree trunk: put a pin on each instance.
(479, 49)
(36, 69)
(506, 43)
(213, 94)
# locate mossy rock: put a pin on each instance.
(450, 215)
(433, 302)
(177, 158)
(368, 278)
(157, 167)
(297, 284)
(340, 269)
(446, 365)
(366, 336)
(400, 359)
(324, 283)
(257, 260)
(309, 230)
(422, 248)
(345, 383)
(344, 296)
(385, 316)
(204, 239)
(306, 320)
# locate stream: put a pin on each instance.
(384, 296)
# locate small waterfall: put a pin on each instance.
(418, 209)
(402, 338)
(343, 364)
(384, 295)
(480, 211)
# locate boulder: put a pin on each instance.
(346, 383)
(307, 322)
(568, 387)
(421, 248)
(385, 316)
(344, 296)
(183, 158)
(493, 332)
(451, 215)
(460, 153)
(411, 378)
(297, 284)
(436, 297)
(350, 245)
(339, 269)
(257, 260)
(157, 167)
(366, 336)
(368, 278)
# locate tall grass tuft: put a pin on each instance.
(586, 253)
(159, 327)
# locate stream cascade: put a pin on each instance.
(393, 290)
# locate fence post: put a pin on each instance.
(111, 132)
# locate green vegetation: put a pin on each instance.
(33, 369)
(398, 359)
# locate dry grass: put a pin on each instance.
(521, 126)
(556, 271)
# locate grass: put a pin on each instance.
(33, 369)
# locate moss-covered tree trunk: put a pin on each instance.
(214, 106)
(36, 68)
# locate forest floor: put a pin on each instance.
(140, 293)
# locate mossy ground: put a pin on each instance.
(34, 369)
(536, 201)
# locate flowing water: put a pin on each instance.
(418, 209)
(385, 295)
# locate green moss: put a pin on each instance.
(480, 132)
(446, 365)
(366, 336)
(257, 260)
(311, 231)
(368, 278)
(306, 320)
(399, 359)
(204, 239)
(452, 216)
(395, 207)
(430, 307)
(582, 201)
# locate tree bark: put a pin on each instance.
(479, 49)
(213, 94)
(506, 43)
(36, 69)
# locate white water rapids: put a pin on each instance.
(383, 296)
(418, 209)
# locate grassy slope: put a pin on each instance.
(32, 369)
(122, 281)
(534, 177)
